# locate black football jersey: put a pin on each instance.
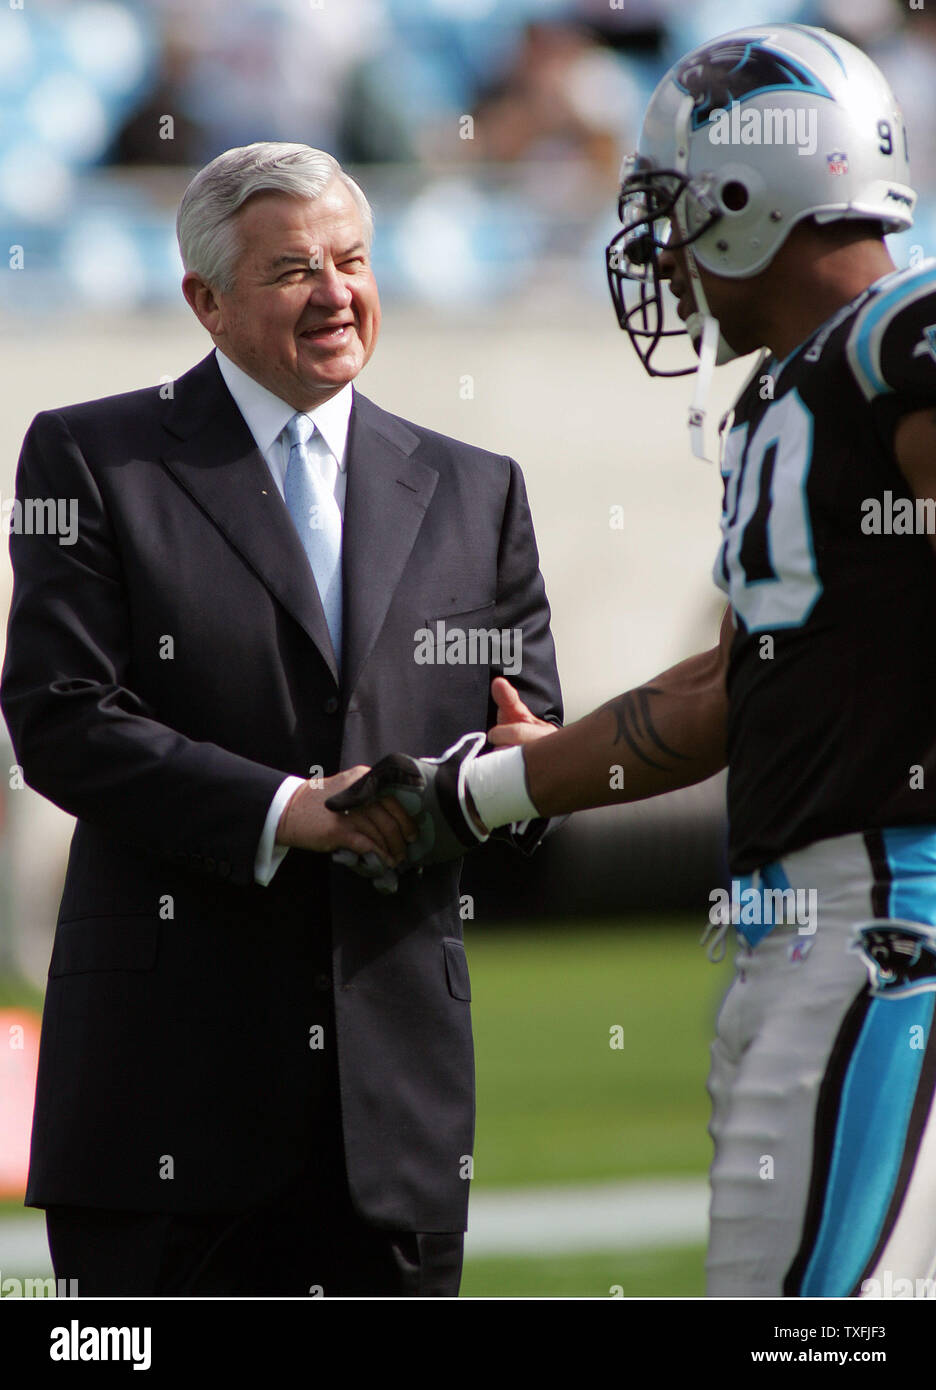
(831, 574)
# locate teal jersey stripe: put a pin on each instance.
(911, 853)
(880, 308)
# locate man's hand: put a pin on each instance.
(432, 791)
(516, 722)
(378, 834)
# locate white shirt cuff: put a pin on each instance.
(269, 854)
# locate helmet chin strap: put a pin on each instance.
(712, 350)
(706, 345)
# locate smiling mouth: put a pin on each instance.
(329, 333)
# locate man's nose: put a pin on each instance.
(328, 288)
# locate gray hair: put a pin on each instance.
(206, 224)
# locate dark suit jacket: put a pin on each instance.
(162, 675)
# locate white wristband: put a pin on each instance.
(498, 787)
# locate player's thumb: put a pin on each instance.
(510, 708)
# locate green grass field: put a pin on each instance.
(673, 1273)
(558, 1105)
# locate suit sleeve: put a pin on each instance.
(523, 609)
(83, 738)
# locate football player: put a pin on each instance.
(771, 163)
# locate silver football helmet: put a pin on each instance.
(743, 138)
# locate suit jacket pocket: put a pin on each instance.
(104, 943)
(456, 968)
(467, 640)
(457, 611)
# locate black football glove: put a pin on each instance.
(368, 866)
(432, 791)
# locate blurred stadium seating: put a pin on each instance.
(106, 108)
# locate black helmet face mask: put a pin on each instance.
(647, 208)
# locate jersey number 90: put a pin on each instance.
(766, 564)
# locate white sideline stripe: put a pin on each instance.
(636, 1215)
(613, 1216)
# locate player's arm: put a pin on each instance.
(891, 352)
(665, 734)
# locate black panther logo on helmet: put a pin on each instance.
(717, 77)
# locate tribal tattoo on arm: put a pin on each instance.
(636, 728)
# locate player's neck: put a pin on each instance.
(806, 298)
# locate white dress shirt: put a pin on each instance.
(266, 417)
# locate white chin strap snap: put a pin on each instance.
(707, 349)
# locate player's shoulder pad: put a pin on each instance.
(892, 342)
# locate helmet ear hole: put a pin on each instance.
(734, 196)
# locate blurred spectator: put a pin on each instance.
(564, 96)
(142, 138)
(265, 69)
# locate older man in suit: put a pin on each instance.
(256, 1072)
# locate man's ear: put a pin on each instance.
(203, 302)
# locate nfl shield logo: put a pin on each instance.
(837, 162)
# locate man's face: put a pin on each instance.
(303, 315)
(729, 301)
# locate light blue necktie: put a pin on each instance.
(310, 498)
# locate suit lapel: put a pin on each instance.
(216, 460)
(387, 496)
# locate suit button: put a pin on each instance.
(322, 981)
(331, 705)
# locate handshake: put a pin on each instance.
(406, 812)
(433, 793)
